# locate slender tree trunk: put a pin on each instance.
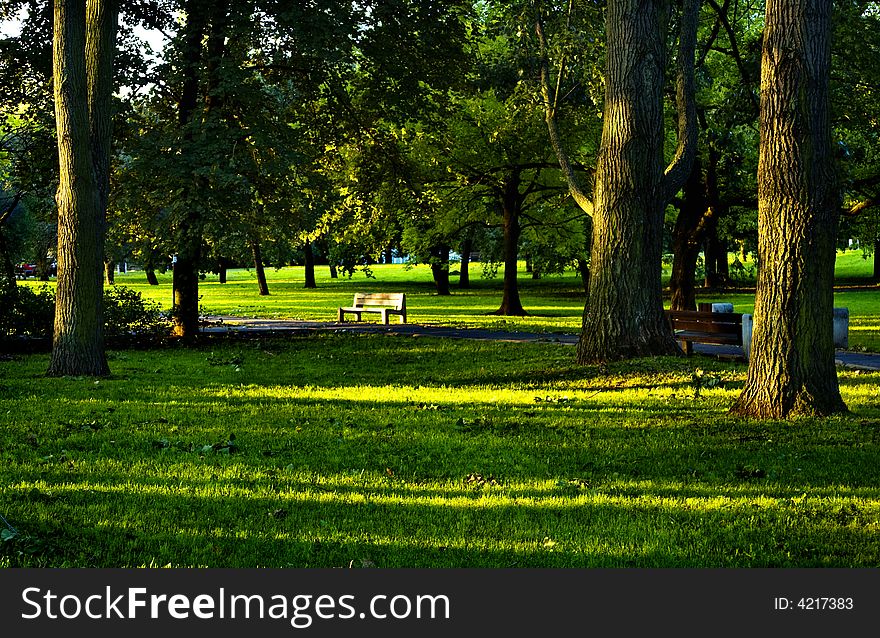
(258, 266)
(722, 266)
(310, 266)
(791, 367)
(222, 268)
(151, 277)
(333, 273)
(110, 272)
(81, 29)
(440, 269)
(715, 254)
(583, 267)
(876, 260)
(511, 203)
(42, 268)
(464, 278)
(686, 238)
(389, 255)
(8, 283)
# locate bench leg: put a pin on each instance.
(403, 318)
(340, 316)
(688, 347)
(384, 316)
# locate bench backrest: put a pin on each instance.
(396, 300)
(715, 322)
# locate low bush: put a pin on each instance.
(27, 312)
(30, 312)
(126, 312)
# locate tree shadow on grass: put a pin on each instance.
(230, 531)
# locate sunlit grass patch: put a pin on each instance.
(345, 450)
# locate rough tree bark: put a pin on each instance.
(110, 272)
(83, 47)
(791, 367)
(623, 316)
(624, 313)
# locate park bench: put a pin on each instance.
(382, 303)
(692, 326)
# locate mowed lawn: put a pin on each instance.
(555, 302)
(338, 451)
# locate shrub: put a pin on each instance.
(31, 313)
(126, 312)
(27, 312)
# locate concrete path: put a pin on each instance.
(220, 324)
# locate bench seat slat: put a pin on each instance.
(704, 337)
(724, 317)
(699, 326)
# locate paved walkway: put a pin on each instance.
(220, 324)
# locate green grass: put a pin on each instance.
(405, 452)
(555, 302)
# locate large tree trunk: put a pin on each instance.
(440, 269)
(624, 313)
(623, 316)
(81, 31)
(464, 277)
(257, 253)
(511, 203)
(309, 266)
(791, 367)
(185, 279)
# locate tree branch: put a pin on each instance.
(550, 109)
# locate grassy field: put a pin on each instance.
(555, 302)
(341, 451)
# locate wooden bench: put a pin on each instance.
(692, 326)
(384, 304)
